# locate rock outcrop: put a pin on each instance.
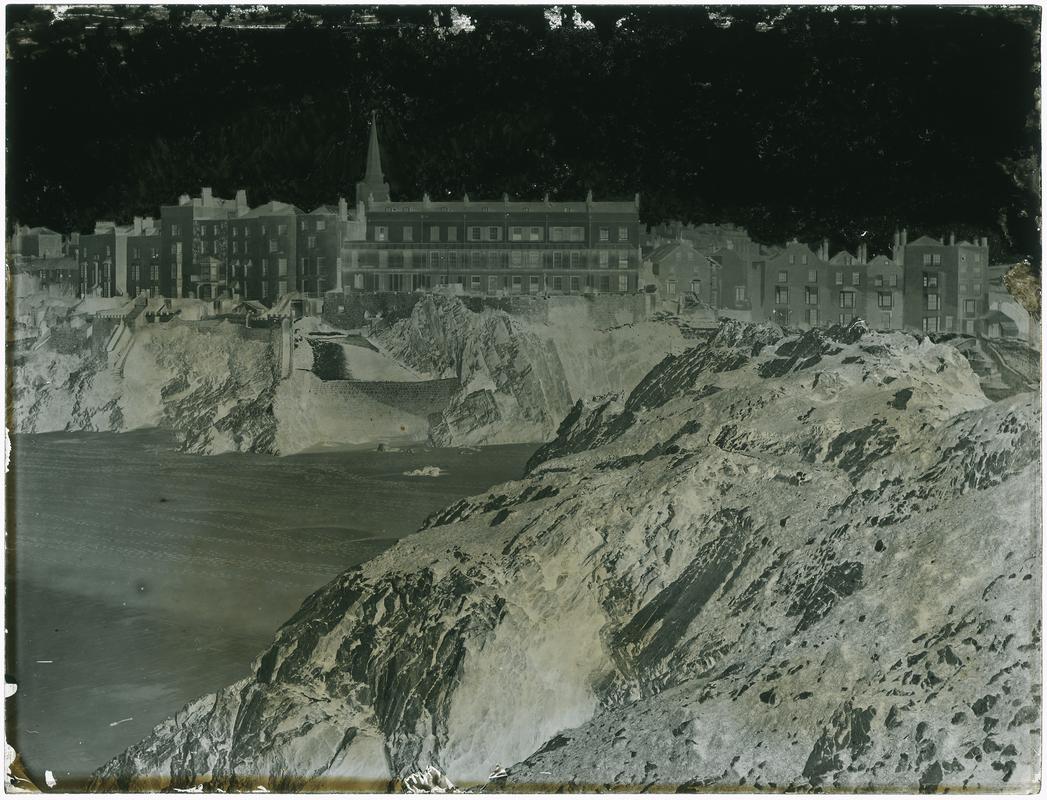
(779, 562)
(520, 376)
(213, 388)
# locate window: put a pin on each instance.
(812, 276)
(670, 288)
(893, 280)
(236, 246)
(977, 258)
(494, 234)
(492, 283)
(556, 235)
(557, 283)
(878, 280)
(533, 284)
(577, 234)
(534, 259)
(623, 283)
(930, 324)
(783, 276)
(474, 283)
(576, 260)
(321, 262)
(452, 234)
(310, 242)
(408, 233)
(536, 234)
(265, 268)
(174, 250)
(932, 302)
(134, 272)
(810, 295)
(575, 283)
(930, 281)
(605, 234)
(281, 230)
(134, 252)
(281, 264)
(839, 279)
(739, 294)
(474, 234)
(932, 259)
(781, 295)
(803, 259)
(604, 260)
(977, 288)
(970, 307)
(846, 299)
(517, 283)
(434, 233)
(272, 246)
(884, 300)
(792, 259)
(321, 225)
(516, 234)
(515, 258)
(811, 315)
(176, 230)
(885, 320)
(623, 233)
(381, 233)
(154, 272)
(855, 278)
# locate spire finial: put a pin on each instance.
(374, 180)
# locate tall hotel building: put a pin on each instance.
(489, 246)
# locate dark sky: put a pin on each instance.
(799, 121)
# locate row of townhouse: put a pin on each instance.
(208, 247)
(926, 285)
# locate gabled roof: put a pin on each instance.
(882, 261)
(325, 209)
(42, 230)
(924, 241)
(274, 208)
(663, 251)
(841, 258)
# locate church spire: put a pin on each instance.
(373, 185)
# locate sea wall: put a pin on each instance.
(419, 398)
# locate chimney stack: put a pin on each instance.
(824, 253)
(206, 197)
(184, 200)
(985, 242)
(952, 239)
(905, 237)
(343, 210)
(897, 239)
(137, 226)
(241, 199)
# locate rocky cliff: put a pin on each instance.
(778, 562)
(520, 376)
(211, 387)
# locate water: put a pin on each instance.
(141, 578)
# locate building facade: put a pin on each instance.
(946, 285)
(490, 246)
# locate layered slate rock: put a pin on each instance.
(760, 568)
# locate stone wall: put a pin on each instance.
(418, 398)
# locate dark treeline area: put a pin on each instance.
(797, 121)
